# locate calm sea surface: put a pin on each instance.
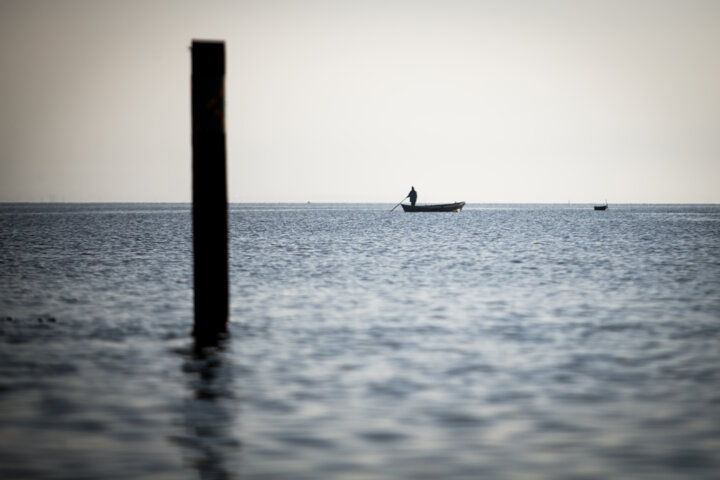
(503, 342)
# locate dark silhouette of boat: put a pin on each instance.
(445, 207)
(601, 207)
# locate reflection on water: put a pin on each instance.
(208, 443)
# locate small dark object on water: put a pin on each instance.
(51, 319)
(600, 207)
(445, 207)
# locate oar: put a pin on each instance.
(393, 208)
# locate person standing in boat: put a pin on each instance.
(413, 196)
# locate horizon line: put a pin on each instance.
(103, 202)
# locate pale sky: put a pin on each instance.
(357, 100)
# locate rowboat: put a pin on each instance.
(445, 207)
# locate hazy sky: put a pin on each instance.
(355, 101)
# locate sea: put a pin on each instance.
(501, 342)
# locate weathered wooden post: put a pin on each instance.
(210, 224)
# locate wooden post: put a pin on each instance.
(209, 186)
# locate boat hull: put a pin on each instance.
(446, 207)
(600, 207)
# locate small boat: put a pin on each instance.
(445, 207)
(601, 207)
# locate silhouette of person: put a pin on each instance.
(413, 196)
